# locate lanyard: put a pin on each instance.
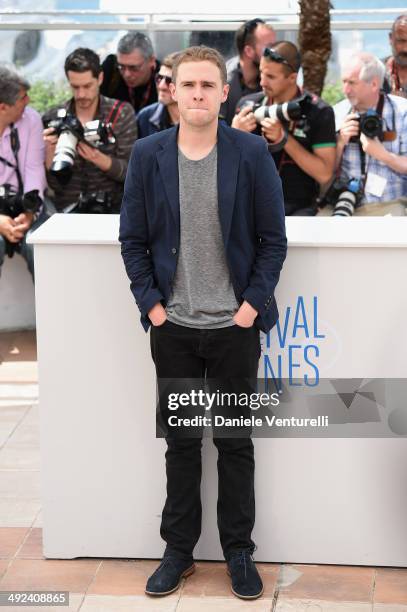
(15, 147)
(145, 97)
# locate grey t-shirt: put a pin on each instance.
(202, 295)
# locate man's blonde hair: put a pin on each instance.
(200, 54)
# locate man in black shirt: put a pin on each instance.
(130, 76)
(244, 78)
(303, 150)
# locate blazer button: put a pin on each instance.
(174, 251)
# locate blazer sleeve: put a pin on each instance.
(134, 237)
(271, 243)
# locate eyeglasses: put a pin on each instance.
(276, 57)
(160, 77)
(130, 67)
(22, 97)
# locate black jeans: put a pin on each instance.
(194, 353)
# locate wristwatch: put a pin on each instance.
(275, 148)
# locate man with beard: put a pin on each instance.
(99, 169)
(396, 65)
(243, 79)
(303, 149)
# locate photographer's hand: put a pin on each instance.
(22, 224)
(50, 139)
(373, 147)
(244, 120)
(7, 228)
(350, 128)
(272, 130)
(94, 156)
(376, 149)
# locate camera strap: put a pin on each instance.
(15, 147)
(114, 113)
(363, 173)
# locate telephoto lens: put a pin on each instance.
(70, 133)
(345, 206)
(286, 112)
(348, 199)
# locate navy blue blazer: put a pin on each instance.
(152, 119)
(251, 212)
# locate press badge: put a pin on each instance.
(375, 184)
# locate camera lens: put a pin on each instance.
(345, 206)
(65, 150)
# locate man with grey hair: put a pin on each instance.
(130, 75)
(22, 173)
(373, 152)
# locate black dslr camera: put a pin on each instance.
(370, 124)
(13, 204)
(70, 131)
(344, 196)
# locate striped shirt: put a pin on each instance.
(396, 183)
(86, 177)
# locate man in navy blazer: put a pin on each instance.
(203, 241)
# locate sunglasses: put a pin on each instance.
(276, 57)
(161, 77)
(130, 67)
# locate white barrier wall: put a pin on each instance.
(339, 501)
(17, 309)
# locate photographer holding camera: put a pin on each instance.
(22, 176)
(372, 138)
(88, 141)
(298, 126)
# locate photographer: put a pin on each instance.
(162, 114)
(22, 176)
(372, 138)
(130, 75)
(396, 64)
(88, 141)
(251, 39)
(301, 142)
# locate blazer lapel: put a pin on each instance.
(167, 160)
(228, 169)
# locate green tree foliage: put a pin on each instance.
(332, 93)
(46, 94)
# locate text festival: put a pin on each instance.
(292, 348)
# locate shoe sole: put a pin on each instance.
(246, 596)
(185, 574)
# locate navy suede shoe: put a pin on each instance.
(246, 582)
(167, 577)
